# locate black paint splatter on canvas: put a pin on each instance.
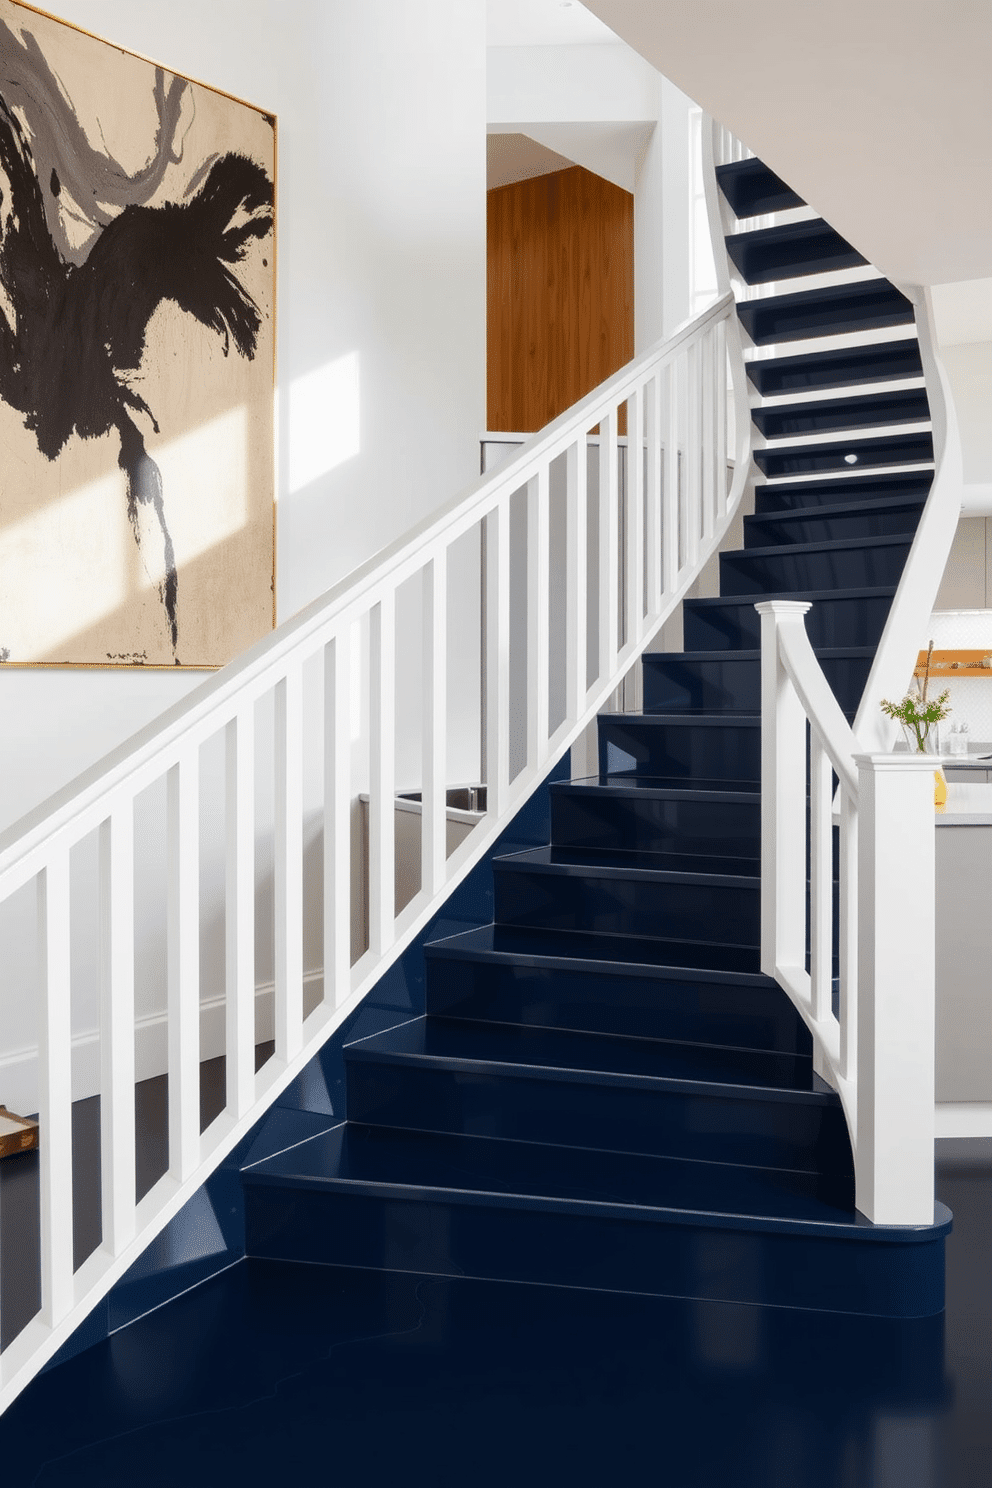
(73, 328)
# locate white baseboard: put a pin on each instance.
(19, 1069)
(965, 1119)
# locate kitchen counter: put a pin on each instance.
(969, 804)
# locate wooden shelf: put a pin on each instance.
(955, 664)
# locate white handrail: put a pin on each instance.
(905, 625)
(676, 508)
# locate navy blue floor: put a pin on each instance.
(276, 1373)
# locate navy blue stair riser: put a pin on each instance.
(894, 519)
(684, 682)
(680, 748)
(829, 415)
(676, 822)
(802, 459)
(746, 1132)
(835, 619)
(869, 305)
(819, 371)
(753, 190)
(770, 253)
(871, 563)
(443, 1237)
(747, 1012)
(679, 905)
(846, 491)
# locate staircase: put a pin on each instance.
(605, 1092)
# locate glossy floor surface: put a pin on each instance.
(318, 1375)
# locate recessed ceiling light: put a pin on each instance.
(850, 459)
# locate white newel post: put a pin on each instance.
(896, 964)
(783, 780)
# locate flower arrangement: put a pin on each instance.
(916, 712)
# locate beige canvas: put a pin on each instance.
(136, 357)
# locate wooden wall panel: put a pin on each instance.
(560, 268)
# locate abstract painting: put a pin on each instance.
(136, 357)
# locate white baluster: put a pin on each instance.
(652, 494)
(848, 946)
(820, 877)
(609, 545)
(288, 877)
(635, 519)
(896, 952)
(722, 485)
(707, 427)
(382, 751)
(55, 1089)
(671, 520)
(183, 912)
(498, 656)
(693, 439)
(538, 627)
(117, 1158)
(240, 909)
(577, 542)
(337, 818)
(239, 938)
(783, 784)
(433, 827)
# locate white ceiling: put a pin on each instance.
(878, 112)
(543, 23)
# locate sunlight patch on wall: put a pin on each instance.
(323, 420)
(90, 580)
(210, 466)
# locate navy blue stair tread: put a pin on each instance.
(753, 190)
(895, 517)
(796, 459)
(822, 312)
(638, 786)
(788, 249)
(706, 720)
(631, 955)
(821, 596)
(751, 654)
(912, 502)
(834, 490)
(601, 862)
(512, 1049)
(385, 1162)
(814, 371)
(685, 787)
(830, 545)
(825, 415)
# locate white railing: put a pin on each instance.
(302, 681)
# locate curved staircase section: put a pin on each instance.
(605, 1091)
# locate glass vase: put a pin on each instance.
(931, 745)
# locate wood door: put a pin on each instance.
(560, 261)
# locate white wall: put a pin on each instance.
(611, 112)
(381, 256)
(381, 271)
